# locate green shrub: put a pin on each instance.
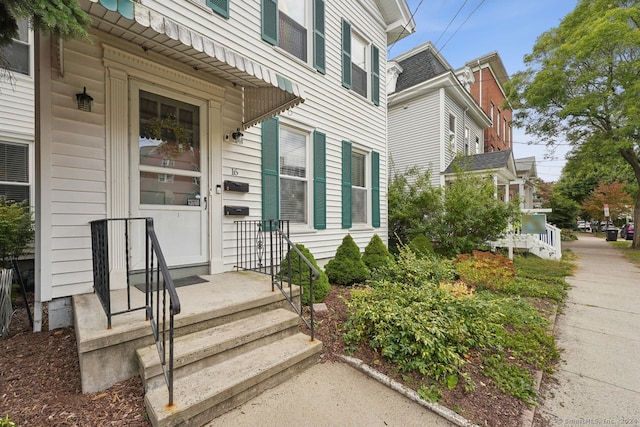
(418, 271)
(16, 230)
(376, 255)
(347, 267)
(421, 246)
(6, 422)
(300, 275)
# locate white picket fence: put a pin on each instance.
(547, 245)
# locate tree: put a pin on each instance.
(563, 210)
(613, 195)
(581, 83)
(411, 198)
(60, 18)
(469, 215)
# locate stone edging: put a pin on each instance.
(445, 413)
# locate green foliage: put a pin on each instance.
(418, 270)
(376, 255)
(564, 211)
(423, 328)
(485, 270)
(61, 18)
(300, 274)
(411, 198)
(469, 216)
(16, 230)
(347, 267)
(421, 246)
(6, 422)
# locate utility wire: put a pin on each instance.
(463, 22)
(404, 28)
(450, 22)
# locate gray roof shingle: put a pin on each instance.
(482, 161)
(419, 68)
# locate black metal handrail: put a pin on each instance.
(264, 246)
(158, 285)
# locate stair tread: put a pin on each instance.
(235, 331)
(221, 378)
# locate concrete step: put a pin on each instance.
(203, 348)
(212, 391)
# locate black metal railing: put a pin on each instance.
(158, 287)
(264, 246)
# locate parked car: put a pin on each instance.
(626, 231)
(584, 226)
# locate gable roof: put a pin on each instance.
(527, 164)
(482, 161)
(419, 67)
(495, 63)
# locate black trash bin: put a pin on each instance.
(612, 234)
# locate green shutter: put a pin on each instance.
(319, 181)
(375, 189)
(346, 184)
(221, 7)
(375, 75)
(270, 21)
(346, 54)
(318, 36)
(270, 179)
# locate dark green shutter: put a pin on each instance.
(270, 21)
(375, 189)
(270, 179)
(221, 7)
(375, 75)
(318, 36)
(319, 181)
(346, 54)
(346, 184)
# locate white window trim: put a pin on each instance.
(367, 182)
(452, 135)
(31, 164)
(301, 127)
(367, 62)
(308, 25)
(30, 41)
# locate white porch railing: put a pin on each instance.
(546, 245)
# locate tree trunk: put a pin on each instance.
(631, 157)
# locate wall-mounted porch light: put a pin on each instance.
(84, 100)
(237, 136)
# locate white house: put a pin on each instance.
(17, 118)
(432, 116)
(198, 110)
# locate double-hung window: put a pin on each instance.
(297, 27)
(452, 133)
(360, 64)
(360, 187)
(293, 174)
(14, 171)
(18, 52)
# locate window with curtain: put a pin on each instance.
(293, 175)
(358, 188)
(14, 171)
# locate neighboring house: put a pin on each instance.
(524, 186)
(282, 97)
(500, 165)
(432, 116)
(17, 130)
(489, 77)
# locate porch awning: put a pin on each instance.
(266, 93)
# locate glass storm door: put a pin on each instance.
(169, 174)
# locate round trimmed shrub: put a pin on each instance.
(321, 285)
(347, 267)
(421, 246)
(376, 255)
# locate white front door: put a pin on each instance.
(169, 173)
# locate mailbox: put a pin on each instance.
(236, 210)
(241, 187)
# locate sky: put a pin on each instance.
(466, 29)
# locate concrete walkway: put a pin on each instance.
(599, 332)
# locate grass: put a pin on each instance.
(631, 254)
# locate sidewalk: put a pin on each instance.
(599, 334)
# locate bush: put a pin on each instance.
(321, 286)
(347, 267)
(485, 270)
(376, 255)
(418, 271)
(16, 230)
(421, 246)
